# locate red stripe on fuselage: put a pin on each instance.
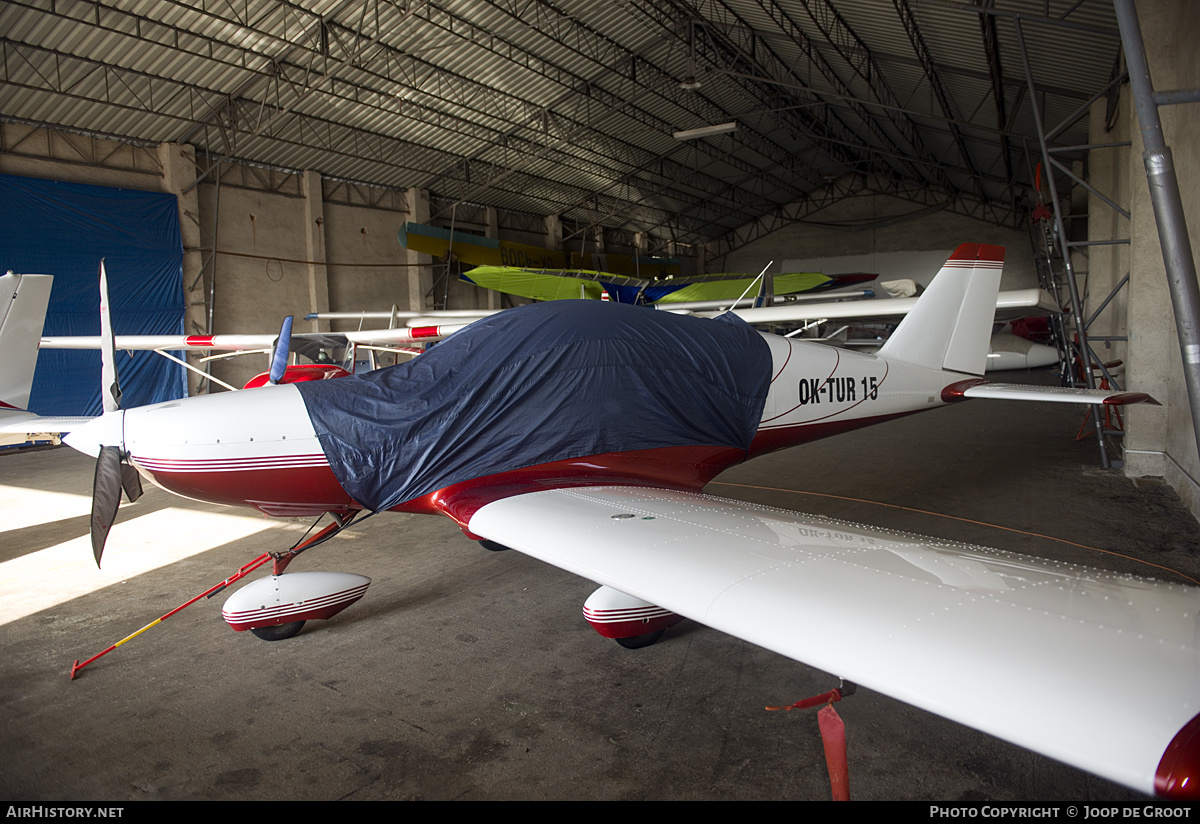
(294, 490)
(311, 490)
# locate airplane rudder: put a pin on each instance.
(950, 324)
(967, 348)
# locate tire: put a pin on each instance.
(639, 641)
(278, 632)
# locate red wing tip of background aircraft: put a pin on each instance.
(851, 278)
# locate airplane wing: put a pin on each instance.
(19, 422)
(548, 284)
(304, 343)
(1017, 303)
(228, 343)
(733, 286)
(1092, 668)
(559, 284)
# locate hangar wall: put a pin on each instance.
(868, 232)
(287, 242)
(1159, 441)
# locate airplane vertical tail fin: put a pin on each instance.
(23, 303)
(951, 324)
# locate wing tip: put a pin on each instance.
(957, 391)
(1126, 398)
(1178, 774)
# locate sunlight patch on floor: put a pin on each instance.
(57, 574)
(31, 507)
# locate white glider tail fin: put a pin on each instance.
(23, 303)
(951, 324)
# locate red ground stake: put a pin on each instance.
(241, 573)
(833, 736)
(281, 561)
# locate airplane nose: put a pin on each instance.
(106, 430)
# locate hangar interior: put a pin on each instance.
(871, 135)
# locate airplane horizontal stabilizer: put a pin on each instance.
(1054, 394)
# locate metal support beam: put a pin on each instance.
(1061, 238)
(909, 21)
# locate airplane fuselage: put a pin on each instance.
(259, 448)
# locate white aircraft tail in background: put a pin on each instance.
(24, 300)
(23, 303)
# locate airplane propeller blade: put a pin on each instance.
(112, 473)
(112, 476)
(131, 482)
(110, 386)
(283, 346)
(106, 496)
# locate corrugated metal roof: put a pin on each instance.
(568, 106)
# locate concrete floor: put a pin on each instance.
(466, 674)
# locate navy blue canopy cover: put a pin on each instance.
(540, 383)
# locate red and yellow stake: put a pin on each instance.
(281, 560)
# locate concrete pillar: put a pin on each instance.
(178, 162)
(553, 232)
(314, 247)
(419, 266)
(1160, 440)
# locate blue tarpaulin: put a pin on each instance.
(64, 229)
(540, 383)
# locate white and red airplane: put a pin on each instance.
(582, 433)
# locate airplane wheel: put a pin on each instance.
(279, 632)
(492, 546)
(639, 641)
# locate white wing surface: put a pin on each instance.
(1098, 670)
(235, 343)
(1019, 303)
